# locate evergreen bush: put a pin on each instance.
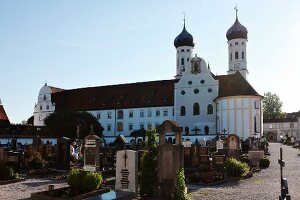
(7, 173)
(74, 179)
(264, 163)
(91, 181)
(36, 162)
(236, 168)
(181, 190)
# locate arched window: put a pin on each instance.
(243, 55)
(206, 130)
(210, 109)
(182, 111)
(255, 125)
(196, 109)
(45, 97)
(196, 67)
(182, 61)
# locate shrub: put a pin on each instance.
(91, 181)
(264, 163)
(83, 181)
(147, 179)
(181, 190)
(36, 162)
(7, 173)
(236, 168)
(245, 160)
(74, 179)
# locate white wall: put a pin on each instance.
(237, 114)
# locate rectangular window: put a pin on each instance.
(108, 115)
(119, 126)
(149, 126)
(165, 112)
(130, 126)
(182, 50)
(187, 50)
(243, 55)
(108, 127)
(157, 113)
(230, 56)
(41, 107)
(120, 114)
(149, 113)
(98, 115)
(141, 125)
(236, 55)
(256, 104)
(130, 115)
(156, 125)
(236, 43)
(142, 113)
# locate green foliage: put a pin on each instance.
(245, 160)
(148, 179)
(29, 121)
(91, 181)
(264, 163)
(84, 181)
(7, 173)
(37, 162)
(272, 106)
(64, 123)
(181, 190)
(236, 168)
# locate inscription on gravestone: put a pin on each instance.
(124, 179)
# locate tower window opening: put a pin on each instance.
(236, 43)
(210, 109)
(187, 60)
(243, 55)
(182, 61)
(187, 50)
(230, 44)
(182, 50)
(230, 56)
(242, 43)
(236, 55)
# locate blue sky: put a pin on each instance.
(73, 44)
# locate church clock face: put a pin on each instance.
(236, 66)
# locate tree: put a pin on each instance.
(66, 124)
(30, 121)
(272, 106)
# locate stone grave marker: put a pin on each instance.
(219, 159)
(1, 153)
(255, 156)
(91, 153)
(63, 153)
(219, 144)
(203, 142)
(233, 146)
(127, 171)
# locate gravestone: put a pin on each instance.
(91, 153)
(203, 142)
(255, 156)
(1, 153)
(219, 144)
(169, 160)
(127, 171)
(63, 153)
(219, 159)
(233, 146)
(187, 157)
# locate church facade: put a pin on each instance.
(204, 104)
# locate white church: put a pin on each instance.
(204, 104)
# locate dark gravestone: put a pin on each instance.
(91, 153)
(187, 157)
(63, 153)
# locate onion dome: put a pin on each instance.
(237, 30)
(184, 39)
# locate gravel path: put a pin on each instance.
(23, 189)
(263, 185)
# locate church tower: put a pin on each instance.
(237, 46)
(184, 44)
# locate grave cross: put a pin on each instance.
(284, 185)
(196, 129)
(224, 131)
(125, 158)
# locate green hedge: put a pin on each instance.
(236, 168)
(84, 181)
(264, 163)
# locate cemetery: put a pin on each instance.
(159, 169)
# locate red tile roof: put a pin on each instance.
(134, 95)
(4, 121)
(139, 95)
(55, 89)
(234, 85)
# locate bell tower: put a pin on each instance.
(237, 48)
